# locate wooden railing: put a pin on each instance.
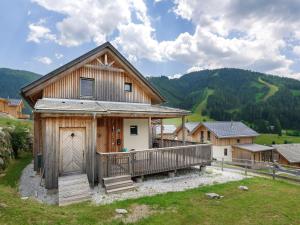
(151, 161)
(172, 143)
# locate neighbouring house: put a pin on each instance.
(288, 154)
(13, 107)
(168, 131)
(94, 116)
(221, 134)
(253, 152)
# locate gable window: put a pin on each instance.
(128, 87)
(134, 130)
(208, 135)
(225, 151)
(87, 87)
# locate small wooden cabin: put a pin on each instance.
(288, 154)
(13, 107)
(221, 134)
(96, 104)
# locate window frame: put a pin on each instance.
(137, 130)
(225, 152)
(130, 84)
(93, 88)
(208, 135)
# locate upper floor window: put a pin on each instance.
(87, 87)
(134, 130)
(208, 135)
(128, 87)
(238, 140)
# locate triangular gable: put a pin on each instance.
(35, 87)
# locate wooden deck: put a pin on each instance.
(152, 161)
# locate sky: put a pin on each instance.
(159, 37)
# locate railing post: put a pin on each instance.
(108, 166)
(222, 165)
(273, 171)
(246, 168)
(183, 129)
(130, 163)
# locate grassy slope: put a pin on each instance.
(267, 202)
(267, 139)
(9, 121)
(272, 89)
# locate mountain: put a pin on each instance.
(12, 80)
(267, 103)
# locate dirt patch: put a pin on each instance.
(136, 213)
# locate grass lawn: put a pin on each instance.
(267, 139)
(4, 122)
(267, 202)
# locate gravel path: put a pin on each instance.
(30, 187)
(161, 184)
(153, 185)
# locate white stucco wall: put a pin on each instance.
(140, 141)
(218, 152)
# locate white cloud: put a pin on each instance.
(39, 32)
(45, 60)
(175, 76)
(296, 50)
(59, 55)
(229, 33)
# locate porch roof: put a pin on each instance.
(51, 105)
(254, 147)
(290, 152)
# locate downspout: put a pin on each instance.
(94, 155)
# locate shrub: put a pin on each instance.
(20, 139)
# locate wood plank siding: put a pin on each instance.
(51, 131)
(109, 86)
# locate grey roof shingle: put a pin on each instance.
(289, 151)
(167, 129)
(226, 129)
(78, 105)
(190, 126)
(254, 147)
(14, 102)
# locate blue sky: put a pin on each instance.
(160, 37)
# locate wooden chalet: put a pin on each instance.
(13, 107)
(94, 116)
(288, 154)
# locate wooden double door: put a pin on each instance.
(110, 134)
(72, 152)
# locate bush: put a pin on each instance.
(20, 139)
(5, 147)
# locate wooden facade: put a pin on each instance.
(201, 135)
(260, 156)
(14, 110)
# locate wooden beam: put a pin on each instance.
(99, 60)
(105, 60)
(94, 147)
(110, 64)
(183, 129)
(105, 67)
(161, 134)
(150, 132)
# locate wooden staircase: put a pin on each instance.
(118, 184)
(73, 189)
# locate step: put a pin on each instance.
(73, 192)
(77, 199)
(109, 180)
(120, 190)
(73, 188)
(120, 184)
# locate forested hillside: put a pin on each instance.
(12, 80)
(268, 103)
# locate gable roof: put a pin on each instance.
(190, 126)
(84, 57)
(254, 147)
(228, 129)
(291, 152)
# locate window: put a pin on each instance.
(225, 152)
(133, 130)
(208, 135)
(87, 87)
(238, 140)
(202, 136)
(128, 87)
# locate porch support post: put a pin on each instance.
(150, 132)
(94, 147)
(183, 129)
(161, 133)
